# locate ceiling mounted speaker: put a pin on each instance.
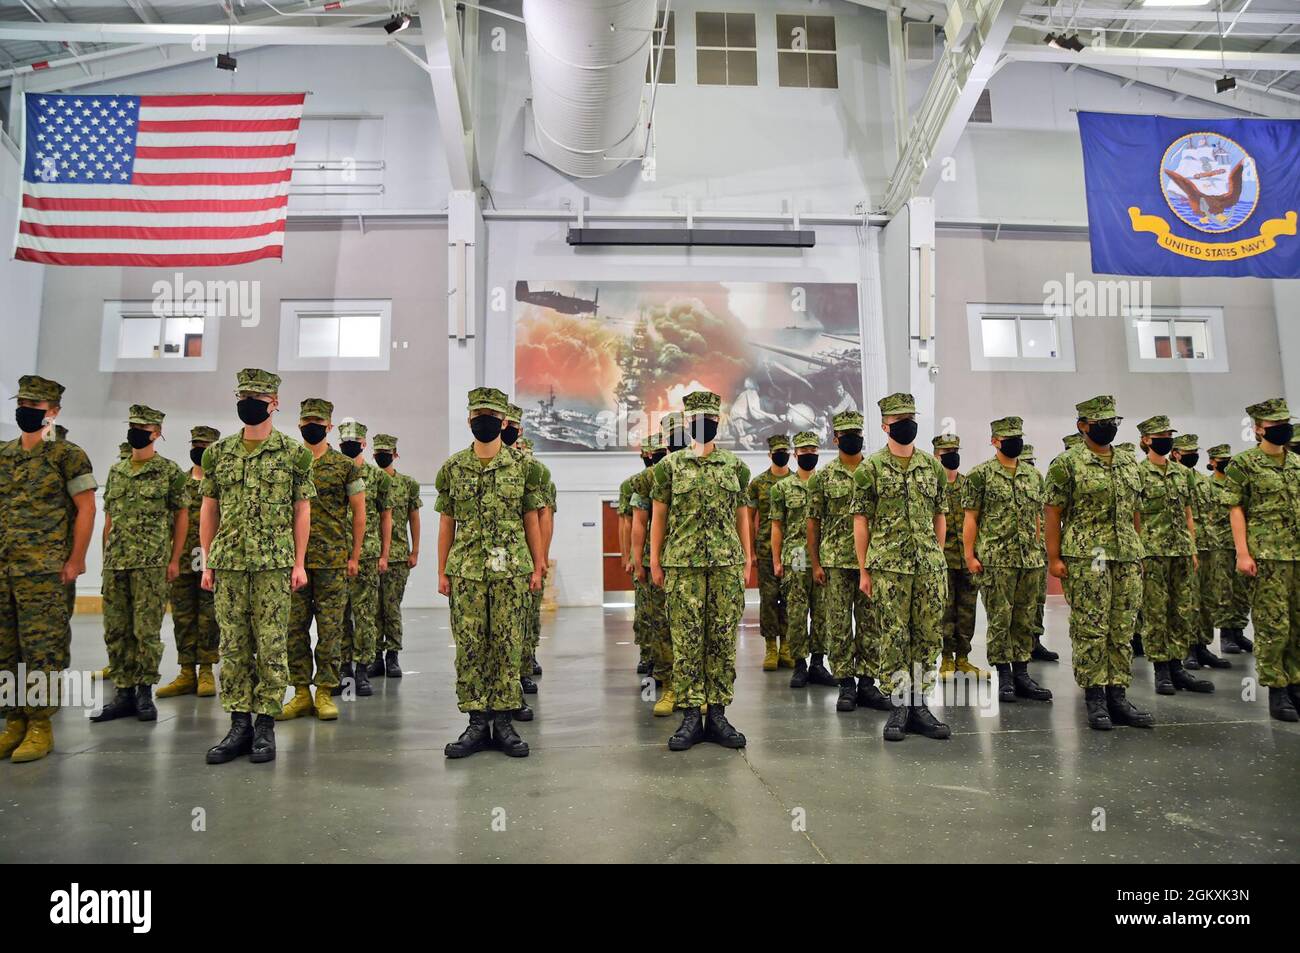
(919, 42)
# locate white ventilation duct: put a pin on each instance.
(587, 60)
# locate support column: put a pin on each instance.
(466, 274)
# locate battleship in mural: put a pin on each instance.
(596, 367)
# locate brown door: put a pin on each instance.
(616, 577)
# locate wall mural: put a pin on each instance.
(598, 363)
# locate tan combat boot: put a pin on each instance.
(184, 684)
(770, 658)
(14, 733)
(38, 743)
(299, 705)
(664, 706)
(948, 666)
(326, 710)
(207, 682)
(966, 667)
(785, 659)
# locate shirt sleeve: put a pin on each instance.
(972, 491)
(816, 499)
(534, 490)
(661, 482)
(209, 485)
(776, 505)
(414, 485)
(178, 497)
(940, 481)
(751, 493)
(356, 481)
(78, 477)
(742, 472)
(1060, 483)
(1236, 489)
(304, 488)
(442, 484)
(864, 486)
(384, 496)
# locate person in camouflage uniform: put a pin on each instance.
(1093, 547)
(849, 618)
(42, 551)
(361, 618)
(1231, 591)
(194, 620)
(788, 512)
(145, 524)
(771, 601)
(490, 554)
(898, 530)
(338, 527)
(61, 435)
(1166, 523)
(253, 529)
(403, 556)
(958, 625)
(1039, 652)
(1187, 453)
(700, 551)
(624, 509)
(528, 666)
(1263, 490)
(1002, 504)
(654, 604)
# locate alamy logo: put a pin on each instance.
(217, 299)
(96, 907)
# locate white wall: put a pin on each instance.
(20, 291)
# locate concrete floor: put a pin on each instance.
(1216, 782)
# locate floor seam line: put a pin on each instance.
(776, 797)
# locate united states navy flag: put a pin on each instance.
(1192, 197)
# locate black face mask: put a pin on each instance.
(509, 434)
(648, 462)
(677, 441)
(950, 460)
(383, 459)
(1012, 446)
(351, 448)
(313, 433)
(807, 461)
(902, 431)
(138, 438)
(196, 455)
(704, 430)
(657, 456)
(1103, 433)
(850, 444)
(1279, 434)
(30, 419)
(485, 428)
(1189, 459)
(1221, 465)
(1161, 446)
(780, 458)
(253, 411)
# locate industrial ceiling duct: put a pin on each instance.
(587, 60)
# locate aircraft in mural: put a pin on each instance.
(561, 303)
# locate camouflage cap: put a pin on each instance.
(651, 443)
(1272, 409)
(778, 441)
(488, 398)
(670, 422)
(946, 441)
(1027, 453)
(1071, 440)
(31, 387)
(1096, 408)
(524, 444)
(1008, 427)
(251, 380)
(60, 432)
(316, 407)
(1219, 451)
(123, 450)
(386, 441)
(1186, 441)
(352, 430)
(204, 434)
(899, 403)
(702, 402)
(514, 413)
(847, 420)
(1157, 424)
(142, 414)
(806, 438)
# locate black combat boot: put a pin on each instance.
(689, 733)
(504, 737)
(1041, 653)
(528, 685)
(643, 667)
(263, 740)
(1281, 705)
(238, 740)
(799, 677)
(1243, 643)
(1124, 712)
(1164, 680)
(720, 731)
(523, 713)
(1207, 659)
(1191, 663)
(122, 705)
(1230, 641)
(896, 725)
(1187, 682)
(391, 668)
(477, 737)
(537, 668)
(1026, 687)
(1138, 650)
(1098, 714)
(345, 673)
(869, 696)
(921, 721)
(848, 700)
(1294, 692)
(361, 674)
(145, 709)
(376, 668)
(819, 674)
(1006, 684)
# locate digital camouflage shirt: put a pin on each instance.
(1097, 498)
(900, 499)
(640, 486)
(760, 491)
(142, 503)
(1202, 506)
(953, 554)
(789, 501)
(405, 498)
(191, 556)
(1164, 494)
(1215, 533)
(625, 496)
(378, 488)
(336, 477)
(488, 500)
(256, 492)
(703, 495)
(1010, 507)
(830, 502)
(36, 519)
(1267, 488)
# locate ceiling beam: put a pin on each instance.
(1250, 98)
(446, 69)
(1155, 56)
(184, 34)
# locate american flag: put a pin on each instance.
(156, 181)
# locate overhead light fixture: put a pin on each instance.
(227, 62)
(1227, 84)
(1072, 43)
(1053, 41)
(398, 23)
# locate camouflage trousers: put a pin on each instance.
(958, 625)
(253, 615)
(194, 621)
(1037, 628)
(771, 601)
(392, 588)
(909, 612)
(1240, 595)
(852, 630)
(487, 624)
(1011, 600)
(1170, 607)
(532, 633)
(704, 607)
(1276, 613)
(1212, 589)
(34, 630)
(135, 601)
(325, 599)
(652, 610)
(804, 603)
(361, 618)
(1104, 595)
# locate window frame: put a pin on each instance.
(727, 49)
(1209, 315)
(116, 311)
(292, 310)
(808, 53)
(1063, 318)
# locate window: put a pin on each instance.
(335, 335)
(166, 334)
(726, 50)
(668, 38)
(1176, 340)
(805, 52)
(1019, 337)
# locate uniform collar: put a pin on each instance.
(274, 441)
(505, 456)
(146, 467)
